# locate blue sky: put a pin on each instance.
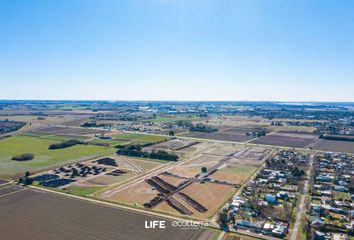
(293, 50)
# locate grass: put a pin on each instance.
(83, 191)
(55, 137)
(43, 157)
(242, 170)
(141, 138)
(343, 195)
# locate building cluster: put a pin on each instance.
(331, 210)
(266, 205)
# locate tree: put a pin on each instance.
(171, 133)
(223, 219)
(204, 169)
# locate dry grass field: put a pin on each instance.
(210, 195)
(236, 175)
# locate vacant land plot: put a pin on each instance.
(174, 144)
(210, 195)
(185, 171)
(50, 216)
(334, 146)
(287, 139)
(83, 191)
(136, 194)
(43, 157)
(109, 178)
(235, 175)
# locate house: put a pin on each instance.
(322, 236)
(317, 222)
(340, 188)
(280, 229)
(324, 178)
(268, 227)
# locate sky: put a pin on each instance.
(271, 50)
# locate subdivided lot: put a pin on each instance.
(43, 157)
(222, 136)
(235, 175)
(334, 146)
(174, 144)
(286, 139)
(50, 216)
(210, 195)
(140, 138)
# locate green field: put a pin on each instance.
(43, 157)
(141, 138)
(55, 137)
(83, 191)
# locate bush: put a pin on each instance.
(23, 157)
(202, 128)
(136, 151)
(65, 144)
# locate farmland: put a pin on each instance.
(334, 146)
(287, 139)
(46, 215)
(140, 138)
(43, 157)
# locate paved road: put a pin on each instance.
(300, 208)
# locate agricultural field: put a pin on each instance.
(45, 215)
(140, 138)
(238, 121)
(222, 136)
(59, 119)
(109, 142)
(43, 157)
(334, 146)
(68, 130)
(287, 139)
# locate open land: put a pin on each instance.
(334, 146)
(287, 139)
(50, 216)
